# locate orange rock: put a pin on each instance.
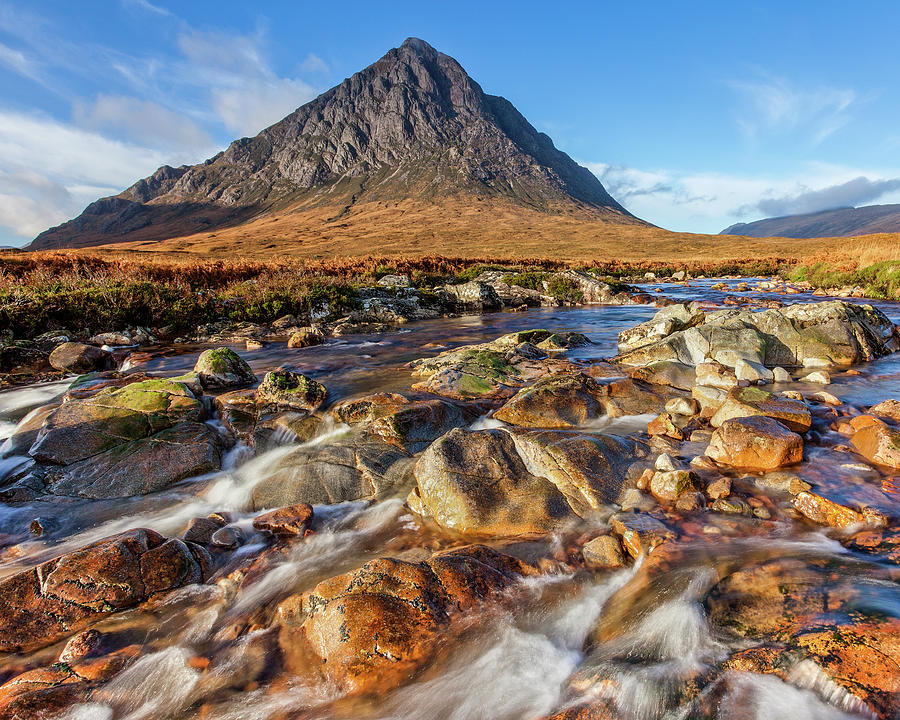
(374, 628)
(755, 443)
(826, 512)
(879, 444)
(287, 522)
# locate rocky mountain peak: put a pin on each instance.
(411, 125)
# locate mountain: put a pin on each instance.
(413, 129)
(840, 222)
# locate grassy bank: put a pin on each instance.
(878, 280)
(67, 290)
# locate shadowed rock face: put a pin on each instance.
(412, 125)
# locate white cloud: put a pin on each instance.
(710, 202)
(246, 94)
(150, 7)
(314, 64)
(145, 123)
(772, 105)
(51, 170)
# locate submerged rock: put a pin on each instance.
(355, 468)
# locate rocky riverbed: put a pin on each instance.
(612, 511)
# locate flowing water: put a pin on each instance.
(526, 658)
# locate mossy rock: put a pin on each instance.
(288, 389)
(221, 368)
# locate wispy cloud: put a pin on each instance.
(180, 105)
(709, 202)
(772, 105)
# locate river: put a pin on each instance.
(517, 660)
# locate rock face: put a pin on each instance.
(412, 125)
(40, 606)
(79, 358)
(502, 483)
(879, 444)
(809, 335)
(755, 443)
(402, 610)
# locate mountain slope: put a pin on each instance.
(412, 126)
(841, 222)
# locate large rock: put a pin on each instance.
(375, 628)
(80, 429)
(496, 482)
(574, 399)
(754, 402)
(496, 369)
(803, 335)
(38, 607)
(755, 443)
(77, 357)
(356, 468)
(411, 421)
(222, 368)
(142, 466)
(473, 295)
(878, 444)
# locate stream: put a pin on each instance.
(535, 653)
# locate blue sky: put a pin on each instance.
(695, 115)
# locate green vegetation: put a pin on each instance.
(532, 280)
(880, 280)
(565, 290)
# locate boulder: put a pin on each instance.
(499, 482)
(38, 607)
(825, 511)
(404, 610)
(80, 429)
(475, 482)
(803, 335)
(356, 468)
(574, 399)
(878, 444)
(77, 357)
(668, 320)
(306, 337)
(755, 443)
(473, 296)
(141, 466)
(753, 402)
(603, 553)
(291, 390)
(411, 421)
(222, 368)
(886, 409)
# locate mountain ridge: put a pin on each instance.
(834, 222)
(412, 125)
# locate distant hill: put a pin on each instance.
(841, 222)
(411, 131)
